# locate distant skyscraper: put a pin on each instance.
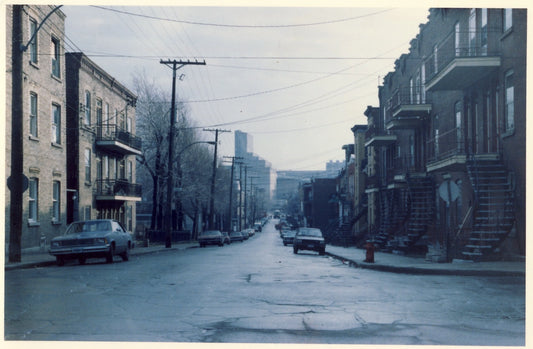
(243, 144)
(258, 167)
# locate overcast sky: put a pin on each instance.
(295, 78)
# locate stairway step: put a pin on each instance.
(485, 247)
(472, 253)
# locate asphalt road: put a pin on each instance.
(258, 292)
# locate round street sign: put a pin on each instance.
(448, 191)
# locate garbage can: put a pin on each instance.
(369, 252)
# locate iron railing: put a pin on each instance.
(117, 187)
(464, 44)
(115, 133)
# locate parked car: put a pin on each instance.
(211, 237)
(245, 234)
(310, 239)
(236, 236)
(288, 237)
(227, 239)
(258, 226)
(98, 238)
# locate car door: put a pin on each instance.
(121, 237)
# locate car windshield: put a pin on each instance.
(88, 227)
(310, 232)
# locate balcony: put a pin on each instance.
(118, 140)
(410, 107)
(378, 138)
(117, 190)
(447, 152)
(462, 59)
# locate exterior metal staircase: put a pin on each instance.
(494, 215)
(421, 213)
(394, 207)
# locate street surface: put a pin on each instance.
(258, 291)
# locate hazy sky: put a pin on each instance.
(295, 78)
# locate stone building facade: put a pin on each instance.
(102, 146)
(43, 125)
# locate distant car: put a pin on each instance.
(288, 237)
(236, 236)
(211, 237)
(99, 238)
(245, 234)
(258, 226)
(227, 239)
(310, 239)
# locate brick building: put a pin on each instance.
(43, 124)
(78, 144)
(447, 148)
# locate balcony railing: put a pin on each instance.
(117, 189)
(474, 54)
(415, 95)
(449, 146)
(407, 164)
(377, 137)
(118, 138)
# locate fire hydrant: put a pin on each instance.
(369, 252)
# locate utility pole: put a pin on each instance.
(175, 65)
(213, 177)
(240, 196)
(231, 190)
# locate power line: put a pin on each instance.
(241, 25)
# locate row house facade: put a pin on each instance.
(80, 162)
(446, 146)
(43, 124)
(102, 146)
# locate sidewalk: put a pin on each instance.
(355, 257)
(411, 265)
(43, 258)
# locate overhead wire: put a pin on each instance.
(241, 25)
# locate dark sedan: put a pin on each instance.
(236, 236)
(211, 237)
(310, 239)
(99, 238)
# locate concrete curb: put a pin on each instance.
(425, 271)
(137, 251)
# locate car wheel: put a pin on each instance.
(82, 260)
(220, 244)
(295, 250)
(126, 254)
(284, 244)
(322, 252)
(110, 253)
(60, 261)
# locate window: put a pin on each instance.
(122, 169)
(33, 204)
(33, 114)
(87, 165)
(56, 124)
(106, 121)
(507, 19)
(458, 124)
(130, 171)
(484, 31)
(128, 124)
(56, 204)
(99, 112)
(105, 161)
(457, 39)
(33, 43)
(472, 31)
(87, 213)
(56, 67)
(509, 101)
(87, 120)
(436, 135)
